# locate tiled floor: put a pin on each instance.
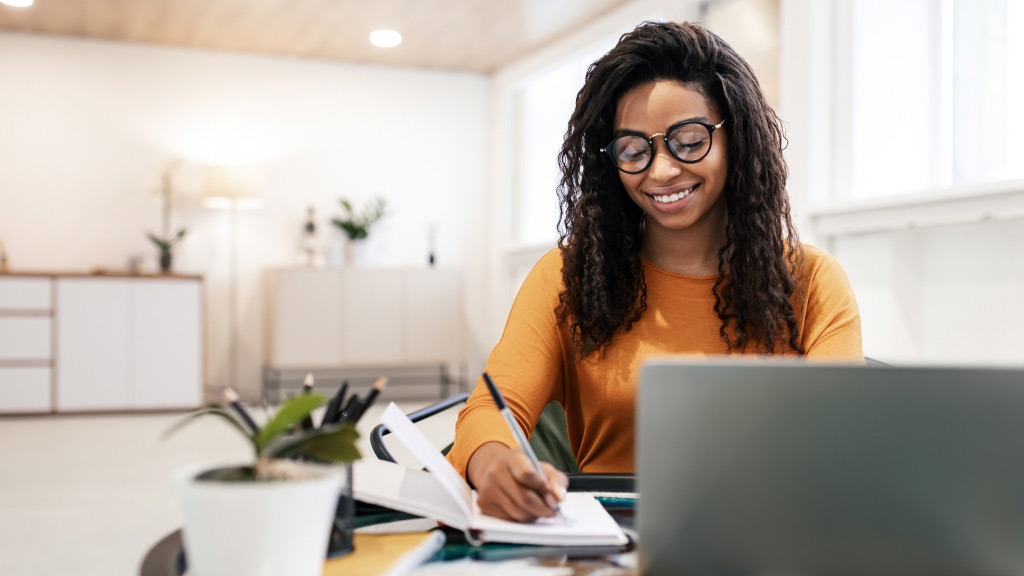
(88, 495)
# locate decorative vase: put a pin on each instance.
(258, 527)
(165, 261)
(355, 252)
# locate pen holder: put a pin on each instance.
(340, 543)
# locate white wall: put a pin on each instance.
(87, 127)
(942, 295)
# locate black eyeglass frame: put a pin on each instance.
(664, 136)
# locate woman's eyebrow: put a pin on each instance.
(625, 131)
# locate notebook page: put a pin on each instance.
(409, 490)
(585, 522)
(422, 448)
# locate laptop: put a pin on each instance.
(762, 467)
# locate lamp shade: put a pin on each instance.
(238, 186)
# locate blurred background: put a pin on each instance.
(118, 118)
(901, 120)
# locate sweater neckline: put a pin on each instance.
(659, 269)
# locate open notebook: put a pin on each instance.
(440, 493)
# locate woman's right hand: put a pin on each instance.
(509, 487)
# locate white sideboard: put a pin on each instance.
(26, 344)
(363, 318)
(72, 343)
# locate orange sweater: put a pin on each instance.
(533, 363)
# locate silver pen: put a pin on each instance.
(517, 432)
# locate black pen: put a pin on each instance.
(232, 397)
(364, 404)
(307, 388)
(517, 432)
(334, 406)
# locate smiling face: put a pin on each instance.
(679, 198)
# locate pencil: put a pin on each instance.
(232, 397)
(307, 387)
(378, 386)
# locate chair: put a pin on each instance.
(550, 441)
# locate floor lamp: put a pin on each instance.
(233, 188)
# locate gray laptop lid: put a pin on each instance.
(791, 468)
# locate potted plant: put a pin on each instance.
(166, 241)
(165, 244)
(274, 514)
(356, 224)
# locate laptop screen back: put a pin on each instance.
(793, 468)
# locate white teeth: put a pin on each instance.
(668, 198)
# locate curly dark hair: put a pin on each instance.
(601, 228)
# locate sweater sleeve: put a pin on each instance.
(832, 324)
(526, 364)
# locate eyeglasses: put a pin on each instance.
(688, 141)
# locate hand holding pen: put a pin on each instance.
(513, 484)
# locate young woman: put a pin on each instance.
(675, 238)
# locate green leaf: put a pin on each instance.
(162, 244)
(356, 225)
(291, 413)
(331, 444)
(228, 415)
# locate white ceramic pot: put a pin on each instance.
(258, 528)
(356, 252)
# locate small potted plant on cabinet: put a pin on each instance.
(273, 515)
(165, 242)
(356, 225)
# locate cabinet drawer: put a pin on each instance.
(25, 338)
(25, 294)
(24, 389)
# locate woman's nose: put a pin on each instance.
(664, 166)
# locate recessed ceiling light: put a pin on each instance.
(17, 3)
(385, 38)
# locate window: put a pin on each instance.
(935, 87)
(544, 104)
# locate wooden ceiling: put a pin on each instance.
(465, 35)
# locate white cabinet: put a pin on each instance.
(364, 317)
(25, 389)
(93, 341)
(165, 328)
(373, 316)
(81, 343)
(25, 294)
(25, 338)
(431, 316)
(128, 344)
(305, 316)
(26, 344)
